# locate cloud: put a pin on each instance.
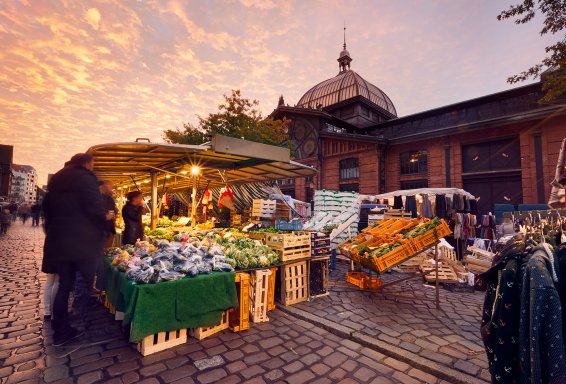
(77, 73)
(93, 18)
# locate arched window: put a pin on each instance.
(349, 169)
(414, 162)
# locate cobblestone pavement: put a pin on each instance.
(449, 336)
(284, 350)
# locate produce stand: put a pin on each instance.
(391, 243)
(166, 313)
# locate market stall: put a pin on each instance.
(157, 288)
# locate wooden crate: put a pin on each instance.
(412, 265)
(318, 277)
(161, 341)
(394, 258)
(294, 283)
(271, 287)
(203, 332)
(290, 246)
(259, 294)
(239, 319)
(109, 306)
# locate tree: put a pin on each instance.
(236, 117)
(554, 11)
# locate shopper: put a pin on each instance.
(106, 189)
(74, 217)
(24, 213)
(35, 214)
(5, 220)
(132, 214)
(13, 207)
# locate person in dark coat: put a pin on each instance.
(106, 188)
(132, 214)
(74, 218)
(35, 214)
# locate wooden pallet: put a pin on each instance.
(203, 332)
(412, 265)
(294, 283)
(259, 293)
(445, 274)
(161, 341)
(239, 318)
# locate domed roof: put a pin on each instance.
(346, 85)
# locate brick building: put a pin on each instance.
(501, 147)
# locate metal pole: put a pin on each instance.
(194, 202)
(154, 215)
(436, 271)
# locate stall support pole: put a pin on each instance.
(154, 213)
(436, 272)
(194, 202)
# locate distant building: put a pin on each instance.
(40, 193)
(24, 184)
(501, 147)
(6, 155)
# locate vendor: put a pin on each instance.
(132, 214)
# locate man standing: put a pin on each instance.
(35, 214)
(106, 188)
(74, 217)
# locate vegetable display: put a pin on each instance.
(423, 228)
(248, 253)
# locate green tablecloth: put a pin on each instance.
(187, 303)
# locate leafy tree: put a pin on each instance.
(554, 11)
(236, 117)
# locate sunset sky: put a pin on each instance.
(79, 73)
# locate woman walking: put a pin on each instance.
(132, 214)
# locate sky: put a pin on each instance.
(80, 73)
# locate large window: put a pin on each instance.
(501, 155)
(414, 162)
(349, 169)
(414, 184)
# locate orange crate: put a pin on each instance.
(394, 258)
(239, 319)
(361, 280)
(432, 236)
(271, 292)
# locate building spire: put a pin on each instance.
(344, 60)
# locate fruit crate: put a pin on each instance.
(263, 208)
(239, 319)
(161, 341)
(318, 277)
(294, 283)
(256, 236)
(281, 225)
(290, 246)
(203, 332)
(392, 259)
(432, 236)
(363, 281)
(259, 294)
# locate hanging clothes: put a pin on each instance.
(541, 339)
(427, 208)
(397, 202)
(411, 205)
(474, 206)
(466, 204)
(441, 211)
(501, 310)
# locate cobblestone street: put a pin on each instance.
(342, 341)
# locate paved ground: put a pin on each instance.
(449, 336)
(285, 350)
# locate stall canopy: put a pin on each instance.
(422, 191)
(224, 160)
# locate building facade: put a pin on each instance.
(6, 156)
(24, 184)
(501, 147)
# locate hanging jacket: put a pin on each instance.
(441, 207)
(397, 202)
(411, 205)
(427, 207)
(541, 340)
(500, 325)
